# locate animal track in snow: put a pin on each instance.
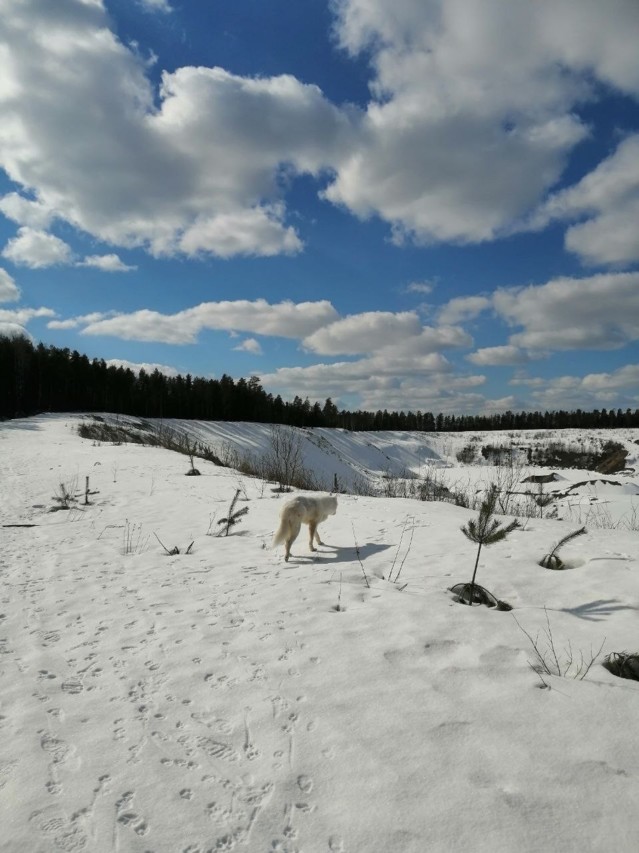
(218, 814)
(56, 748)
(250, 750)
(63, 834)
(255, 796)
(217, 749)
(212, 721)
(135, 822)
(305, 784)
(130, 819)
(44, 674)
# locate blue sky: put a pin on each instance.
(410, 205)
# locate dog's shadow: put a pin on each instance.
(339, 554)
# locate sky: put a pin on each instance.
(411, 205)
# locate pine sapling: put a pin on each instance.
(485, 530)
(233, 516)
(552, 560)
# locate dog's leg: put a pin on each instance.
(312, 532)
(292, 536)
(317, 538)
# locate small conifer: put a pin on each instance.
(485, 530)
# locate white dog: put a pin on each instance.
(303, 510)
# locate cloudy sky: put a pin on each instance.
(424, 204)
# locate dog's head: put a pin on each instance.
(332, 505)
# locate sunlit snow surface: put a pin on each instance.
(218, 700)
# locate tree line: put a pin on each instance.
(39, 378)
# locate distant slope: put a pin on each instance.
(370, 456)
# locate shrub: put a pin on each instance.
(467, 454)
(548, 660)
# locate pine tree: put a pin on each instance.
(485, 530)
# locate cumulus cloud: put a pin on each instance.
(421, 287)
(365, 332)
(155, 6)
(599, 312)
(624, 377)
(618, 388)
(25, 211)
(447, 131)
(608, 198)
(176, 171)
(75, 322)
(249, 345)
(285, 319)
(238, 233)
(9, 290)
(463, 308)
(147, 367)
(13, 330)
(498, 356)
(22, 316)
(37, 249)
(377, 382)
(199, 167)
(403, 372)
(106, 263)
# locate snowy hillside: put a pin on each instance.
(221, 699)
(398, 463)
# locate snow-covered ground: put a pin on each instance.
(218, 700)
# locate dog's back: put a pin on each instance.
(314, 508)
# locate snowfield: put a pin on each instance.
(219, 700)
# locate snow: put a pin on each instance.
(218, 700)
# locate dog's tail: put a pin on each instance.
(280, 534)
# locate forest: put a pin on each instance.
(36, 378)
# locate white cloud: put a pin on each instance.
(13, 330)
(22, 316)
(37, 249)
(155, 6)
(498, 356)
(599, 312)
(9, 290)
(463, 308)
(106, 263)
(449, 129)
(284, 319)
(422, 287)
(392, 335)
(623, 377)
(74, 322)
(249, 345)
(365, 332)
(177, 171)
(136, 367)
(247, 232)
(426, 383)
(25, 211)
(609, 199)
(197, 166)
(619, 388)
